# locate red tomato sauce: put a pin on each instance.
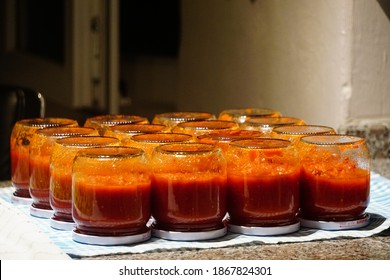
(188, 204)
(20, 173)
(40, 182)
(105, 209)
(341, 196)
(266, 200)
(61, 195)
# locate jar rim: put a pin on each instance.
(272, 121)
(306, 129)
(116, 119)
(261, 143)
(332, 139)
(184, 116)
(87, 141)
(161, 137)
(187, 148)
(62, 131)
(207, 124)
(110, 152)
(251, 111)
(230, 135)
(136, 127)
(46, 122)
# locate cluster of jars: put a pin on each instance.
(189, 175)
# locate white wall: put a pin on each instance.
(151, 85)
(300, 57)
(371, 63)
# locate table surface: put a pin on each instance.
(376, 247)
(369, 248)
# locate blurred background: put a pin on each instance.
(325, 61)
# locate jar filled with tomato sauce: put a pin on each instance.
(335, 182)
(41, 148)
(21, 135)
(111, 190)
(188, 191)
(61, 163)
(262, 187)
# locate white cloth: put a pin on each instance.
(21, 239)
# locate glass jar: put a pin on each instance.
(294, 132)
(241, 115)
(149, 141)
(197, 128)
(102, 122)
(223, 138)
(188, 191)
(266, 124)
(127, 130)
(262, 186)
(60, 194)
(41, 147)
(21, 135)
(171, 119)
(335, 181)
(111, 191)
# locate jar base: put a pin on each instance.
(21, 200)
(337, 225)
(41, 213)
(189, 235)
(264, 231)
(110, 240)
(61, 225)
